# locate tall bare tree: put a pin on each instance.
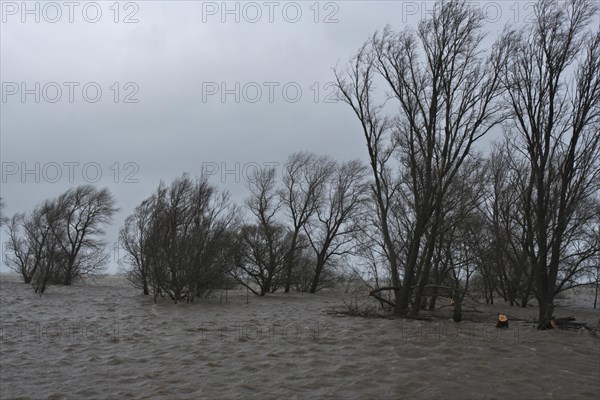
(445, 89)
(357, 88)
(332, 231)
(304, 179)
(553, 94)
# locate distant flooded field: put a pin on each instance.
(102, 339)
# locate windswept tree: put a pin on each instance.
(552, 82)
(60, 239)
(80, 216)
(133, 237)
(176, 241)
(29, 237)
(444, 88)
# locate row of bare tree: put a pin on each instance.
(187, 238)
(60, 240)
(521, 221)
(532, 227)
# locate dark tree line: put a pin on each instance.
(530, 228)
(60, 240)
(552, 81)
(519, 221)
(188, 239)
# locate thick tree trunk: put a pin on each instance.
(266, 287)
(290, 262)
(457, 310)
(315, 282)
(420, 288)
(426, 265)
(403, 301)
(432, 303)
(389, 245)
(146, 290)
(403, 298)
(545, 314)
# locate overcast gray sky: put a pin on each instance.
(126, 94)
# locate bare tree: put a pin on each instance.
(177, 239)
(357, 88)
(553, 94)
(304, 179)
(457, 249)
(133, 238)
(79, 217)
(510, 273)
(304, 265)
(264, 245)
(33, 248)
(332, 231)
(50, 258)
(212, 232)
(21, 253)
(263, 251)
(447, 100)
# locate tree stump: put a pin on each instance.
(502, 321)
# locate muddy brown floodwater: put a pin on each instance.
(103, 340)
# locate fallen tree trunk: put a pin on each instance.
(374, 293)
(430, 290)
(564, 323)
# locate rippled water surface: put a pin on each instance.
(104, 340)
